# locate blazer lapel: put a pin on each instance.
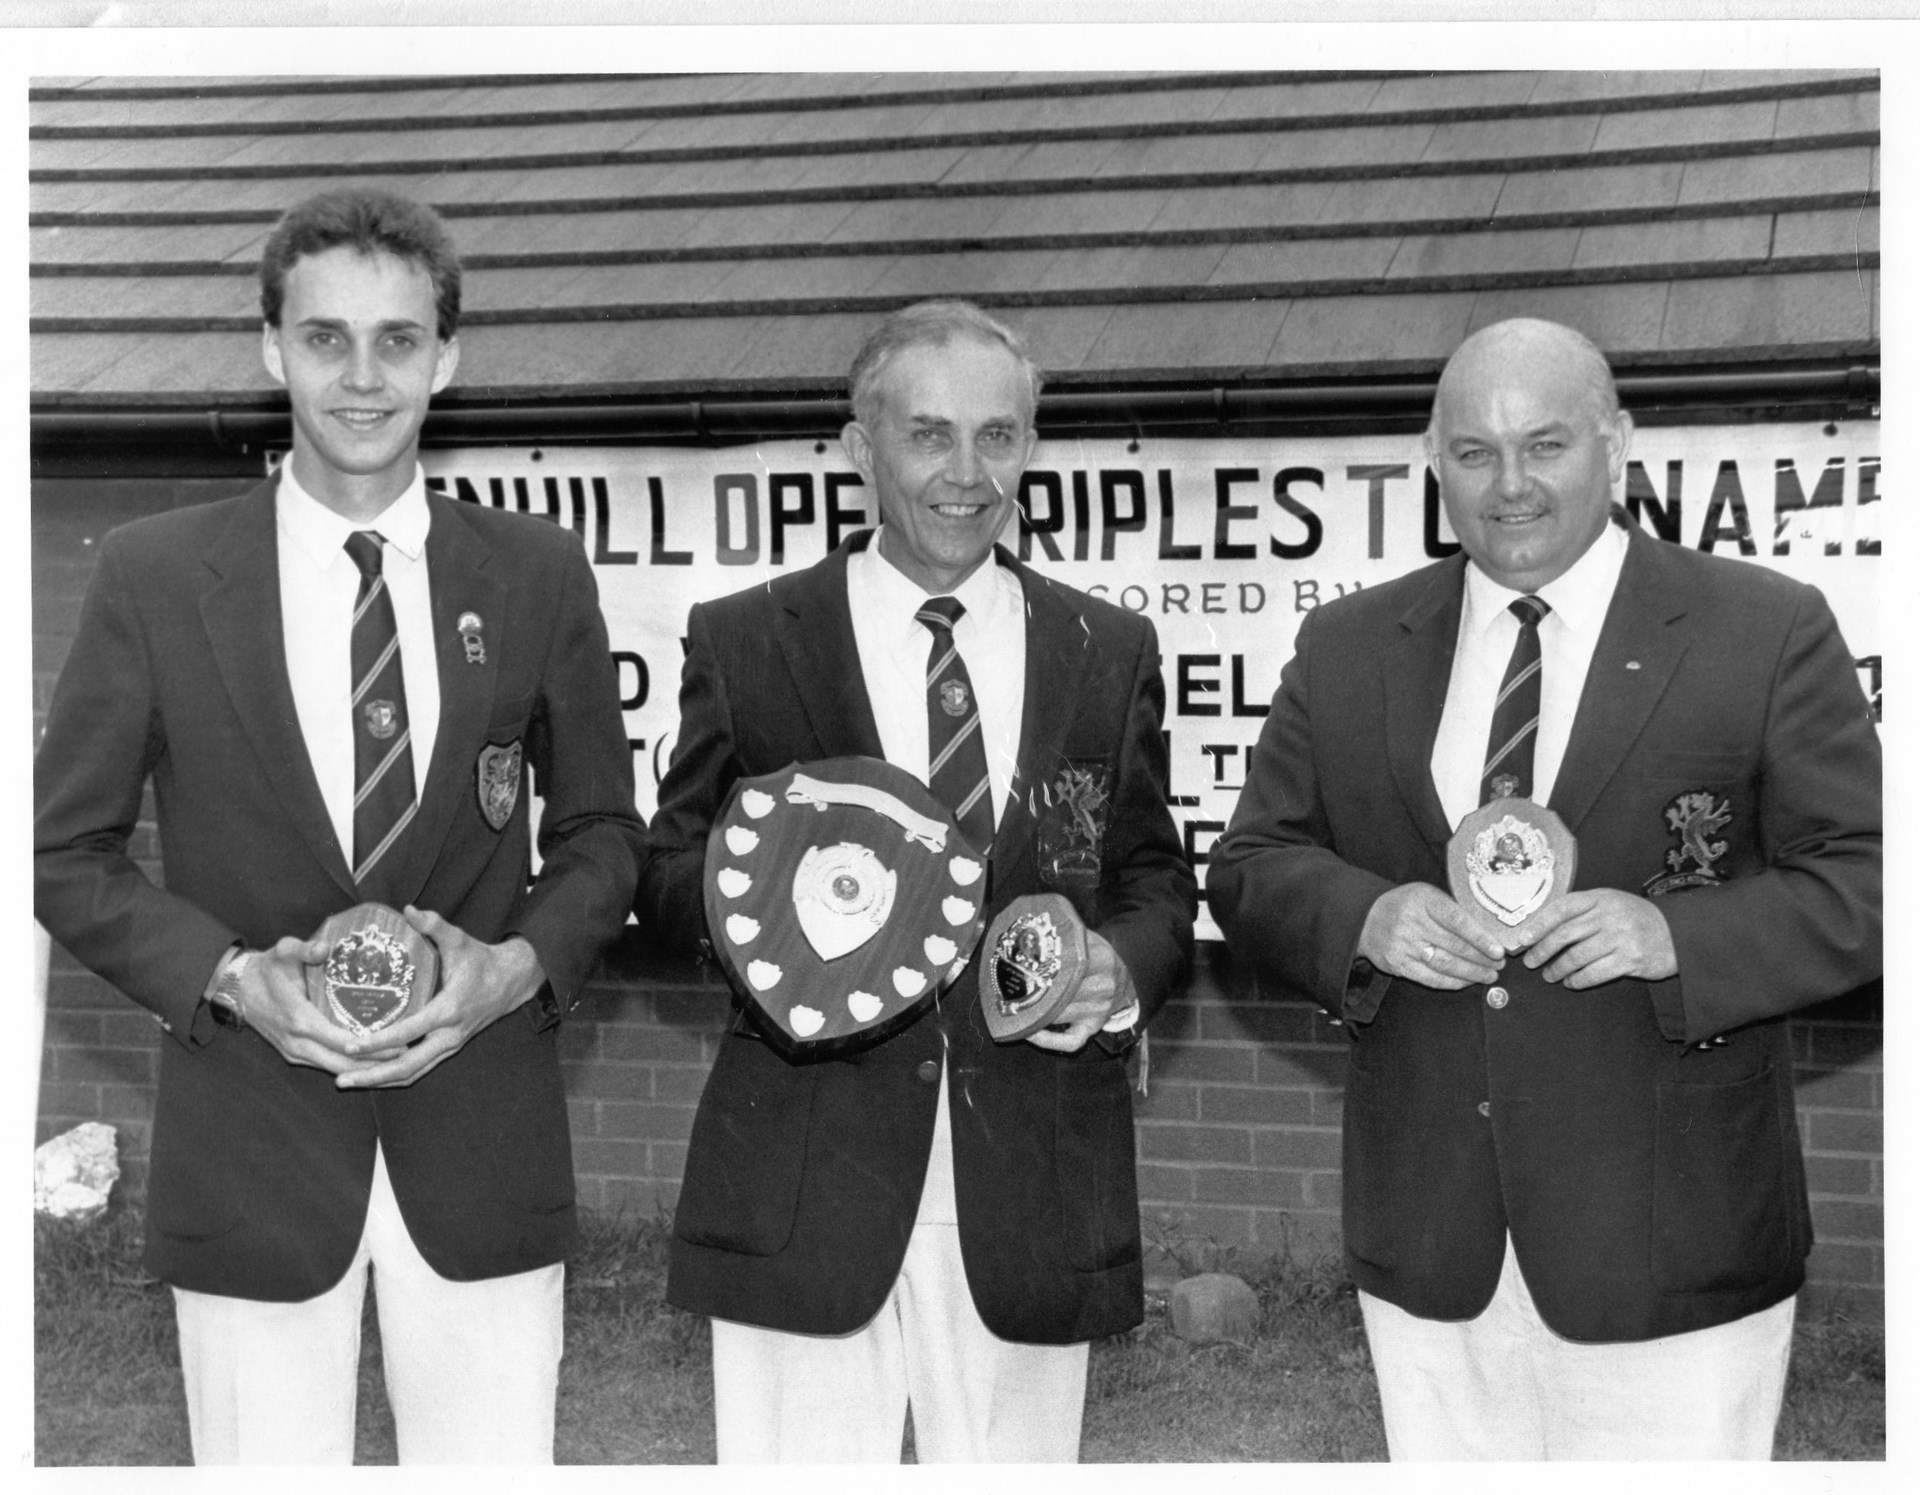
(1641, 644)
(460, 581)
(824, 659)
(1048, 701)
(1414, 675)
(241, 613)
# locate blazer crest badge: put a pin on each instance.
(497, 778)
(1694, 817)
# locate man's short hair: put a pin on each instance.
(931, 324)
(373, 222)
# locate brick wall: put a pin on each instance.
(1239, 1137)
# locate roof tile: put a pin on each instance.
(1718, 124)
(1129, 269)
(1687, 241)
(1498, 139)
(1398, 200)
(1751, 311)
(1484, 253)
(1453, 90)
(1651, 184)
(1305, 259)
(1618, 318)
(1838, 231)
(1382, 332)
(1829, 114)
(1790, 174)
(1570, 87)
(1169, 336)
(143, 296)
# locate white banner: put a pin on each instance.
(1224, 544)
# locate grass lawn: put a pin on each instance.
(635, 1386)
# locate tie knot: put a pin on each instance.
(1529, 610)
(364, 546)
(941, 612)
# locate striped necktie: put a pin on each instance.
(956, 755)
(383, 799)
(1516, 714)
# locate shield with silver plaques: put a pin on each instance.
(841, 899)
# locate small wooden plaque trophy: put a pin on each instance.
(1036, 953)
(1507, 863)
(378, 969)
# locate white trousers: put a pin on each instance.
(1505, 1386)
(471, 1367)
(798, 1398)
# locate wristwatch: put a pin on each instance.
(224, 1000)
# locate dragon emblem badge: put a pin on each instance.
(1694, 817)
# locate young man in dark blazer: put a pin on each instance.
(1573, 1194)
(937, 1219)
(219, 654)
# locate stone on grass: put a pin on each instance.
(1214, 1308)
(74, 1172)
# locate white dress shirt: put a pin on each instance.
(1579, 598)
(894, 644)
(318, 585)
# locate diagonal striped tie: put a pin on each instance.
(956, 754)
(1516, 713)
(383, 797)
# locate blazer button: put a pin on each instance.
(1496, 997)
(1485, 1108)
(929, 1070)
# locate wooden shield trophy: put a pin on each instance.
(378, 969)
(1507, 863)
(841, 899)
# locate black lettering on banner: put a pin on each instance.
(1241, 705)
(1866, 538)
(1225, 512)
(1306, 595)
(1212, 598)
(1376, 477)
(577, 493)
(1283, 480)
(1173, 595)
(1437, 549)
(1081, 524)
(1641, 499)
(1790, 498)
(725, 485)
(1260, 591)
(1112, 481)
(840, 520)
(1168, 550)
(1727, 496)
(1056, 520)
(1187, 685)
(1135, 599)
(658, 554)
(623, 660)
(603, 552)
(1220, 752)
(780, 517)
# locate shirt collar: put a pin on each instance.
(1579, 596)
(982, 594)
(322, 534)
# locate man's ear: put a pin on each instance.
(1619, 433)
(447, 362)
(270, 352)
(858, 446)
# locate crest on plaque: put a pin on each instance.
(378, 968)
(841, 899)
(497, 780)
(1036, 953)
(1508, 861)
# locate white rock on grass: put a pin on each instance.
(74, 1172)
(1214, 1308)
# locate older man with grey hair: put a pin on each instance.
(1573, 1194)
(937, 1220)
